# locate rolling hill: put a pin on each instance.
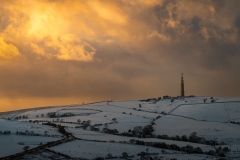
(155, 128)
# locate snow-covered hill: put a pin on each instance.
(206, 127)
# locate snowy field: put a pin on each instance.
(78, 111)
(174, 125)
(92, 150)
(16, 126)
(12, 144)
(115, 127)
(40, 112)
(88, 135)
(232, 109)
(215, 112)
(120, 110)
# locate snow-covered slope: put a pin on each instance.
(114, 127)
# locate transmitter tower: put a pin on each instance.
(182, 87)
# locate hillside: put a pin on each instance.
(180, 128)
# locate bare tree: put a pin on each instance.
(26, 148)
(109, 155)
(105, 125)
(114, 120)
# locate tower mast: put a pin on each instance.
(182, 86)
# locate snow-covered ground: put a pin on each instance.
(78, 111)
(12, 144)
(211, 118)
(40, 112)
(16, 126)
(92, 150)
(89, 135)
(175, 125)
(215, 112)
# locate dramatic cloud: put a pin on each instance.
(7, 51)
(59, 51)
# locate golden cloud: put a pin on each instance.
(7, 50)
(44, 26)
(80, 52)
(66, 47)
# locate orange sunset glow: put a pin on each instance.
(59, 52)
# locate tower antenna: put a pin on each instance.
(182, 87)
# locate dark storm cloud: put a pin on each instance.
(237, 24)
(195, 27)
(218, 4)
(161, 12)
(189, 40)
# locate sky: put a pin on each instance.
(59, 52)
